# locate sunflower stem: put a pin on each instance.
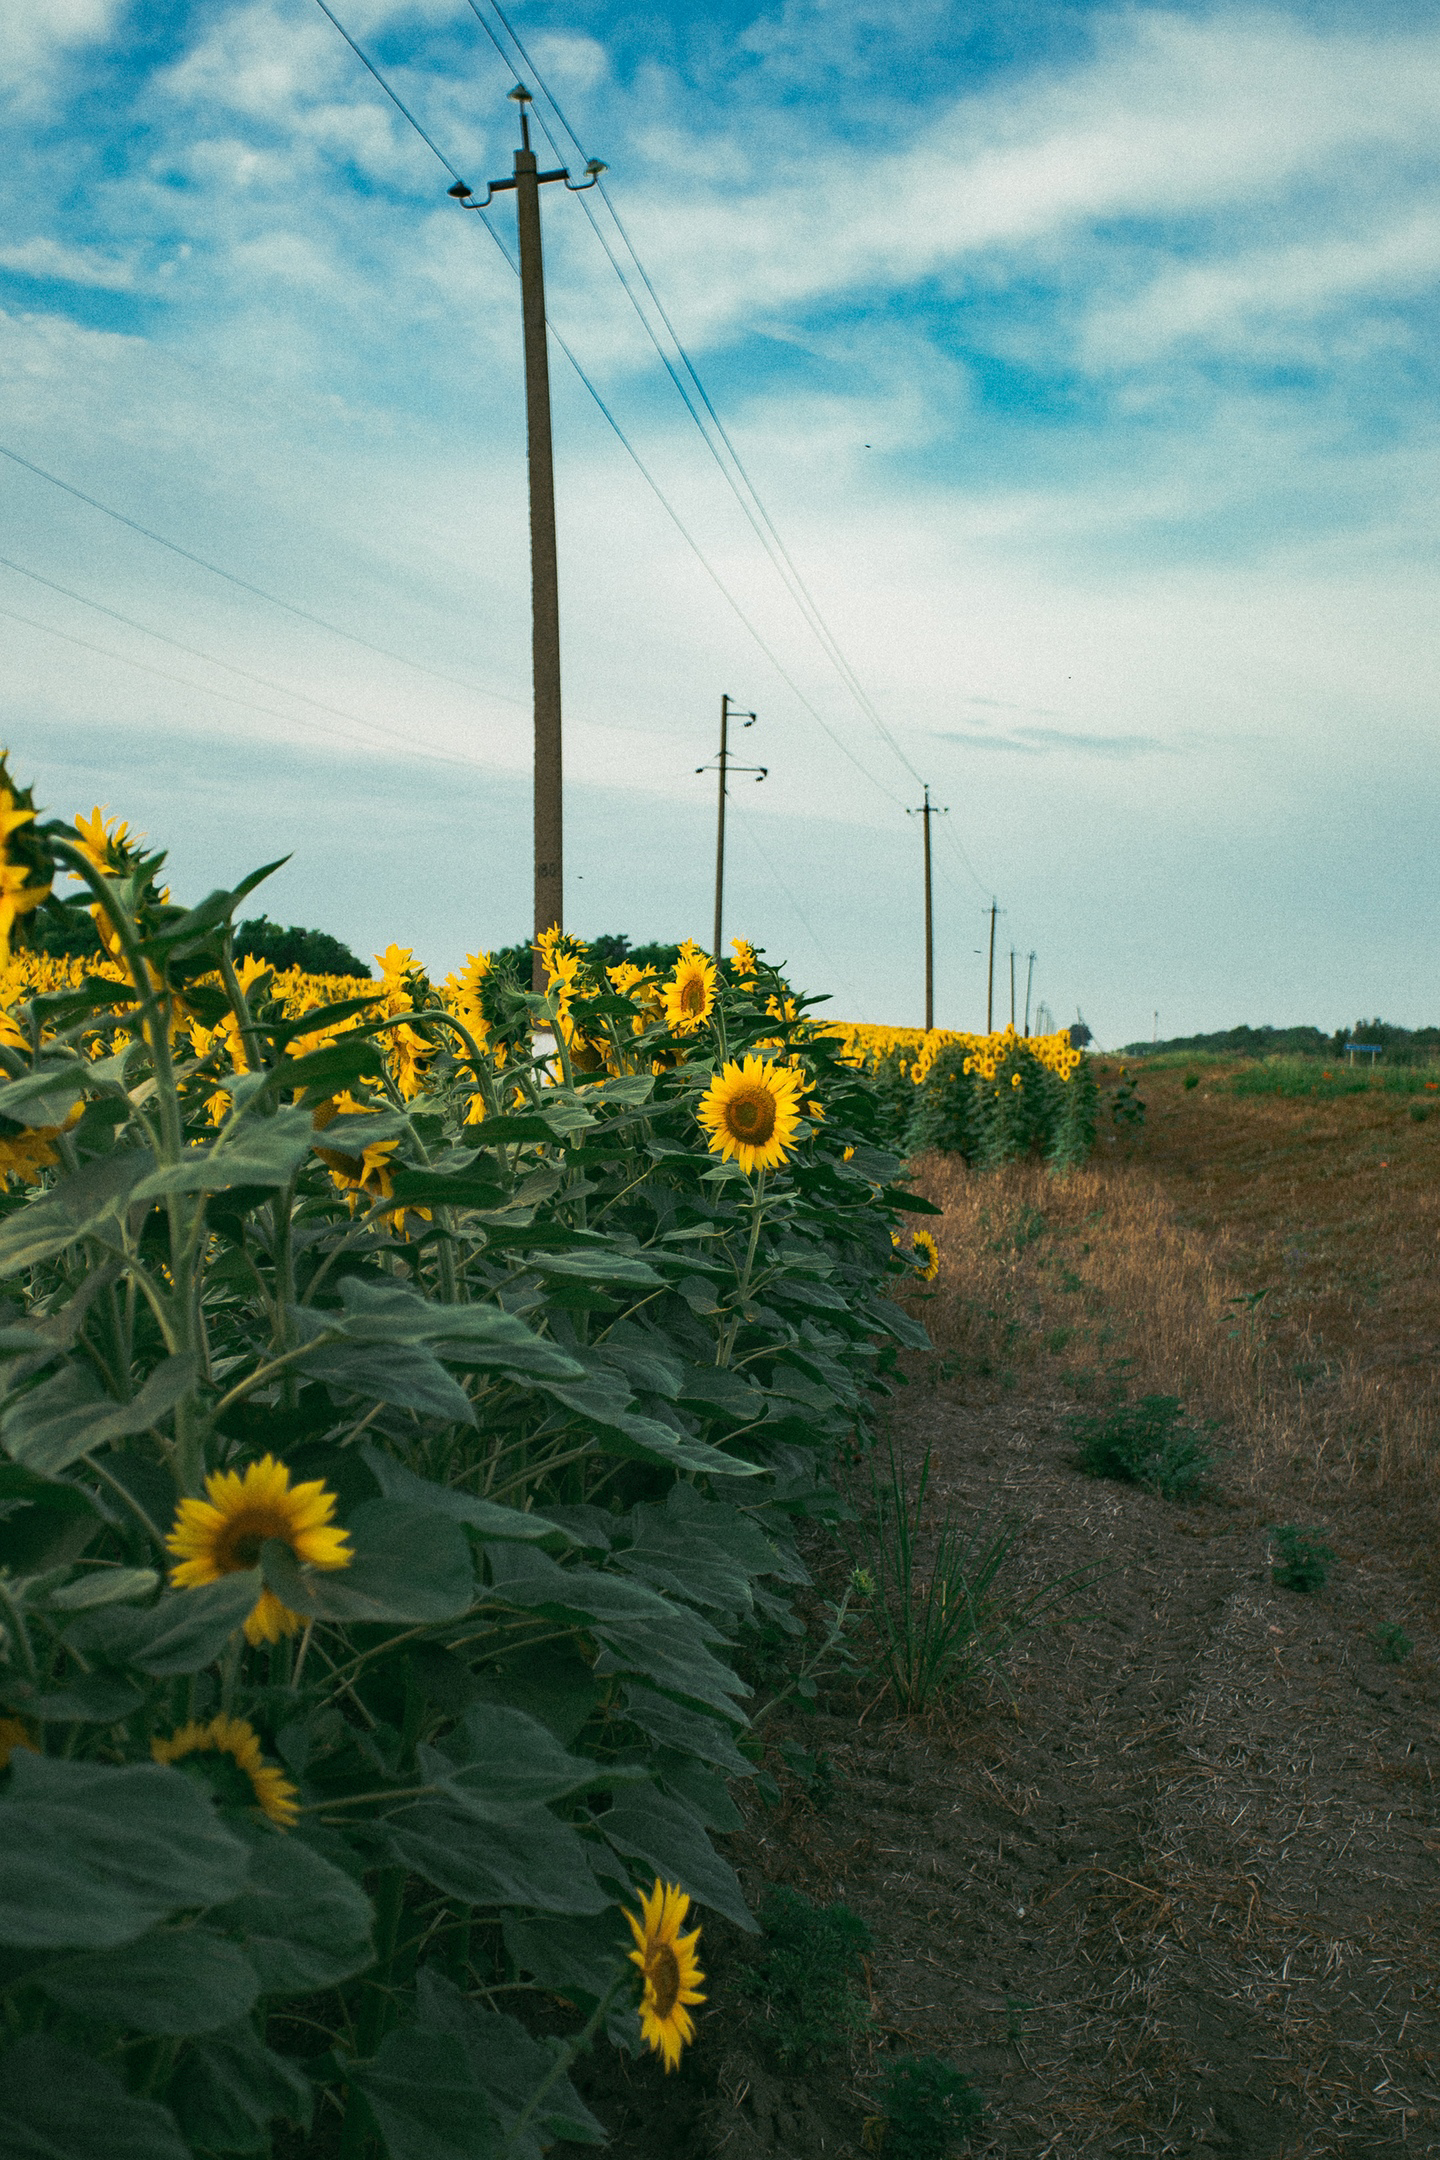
(565, 2056)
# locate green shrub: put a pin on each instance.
(929, 2109)
(1391, 1642)
(1192, 1080)
(808, 1977)
(1303, 1559)
(1143, 1443)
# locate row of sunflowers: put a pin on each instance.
(409, 1395)
(990, 1098)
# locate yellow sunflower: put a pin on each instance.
(752, 1111)
(745, 963)
(105, 845)
(668, 1961)
(690, 992)
(926, 1254)
(224, 1533)
(233, 1737)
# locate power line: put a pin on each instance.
(434, 757)
(738, 480)
(258, 591)
(374, 727)
(651, 482)
(393, 95)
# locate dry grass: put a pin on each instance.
(1270, 1261)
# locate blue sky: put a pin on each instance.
(1084, 357)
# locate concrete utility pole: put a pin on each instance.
(1029, 980)
(527, 182)
(925, 812)
(729, 711)
(1012, 986)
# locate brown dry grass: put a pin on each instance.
(1271, 1261)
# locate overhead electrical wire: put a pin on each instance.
(651, 482)
(228, 697)
(266, 682)
(320, 622)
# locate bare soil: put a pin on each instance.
(1175, 1889)
(1179, 1895)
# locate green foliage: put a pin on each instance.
(1127, 1108)
(942, 1625)
(808, 1976)
(1392, 1644)
(929, 2109)
(315, 951)
(1025, 1111)
(571, 1383)
(1303, 1559)
(1192, 1080)
(1143, 1443)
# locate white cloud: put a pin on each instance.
(46, 258)
(37, 35)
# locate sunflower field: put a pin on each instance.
(409, 1395)
(989, 1098)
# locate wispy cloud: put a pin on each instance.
(1050, 742)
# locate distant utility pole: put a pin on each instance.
(729, 711)
(990, 985)
(925, 812)
(1012, 986)
(1155, 1037)
(527, 182)
(1029, 979)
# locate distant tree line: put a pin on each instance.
(1399, 1046)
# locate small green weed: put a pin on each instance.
(1391, 1642)
(939, 1627)
(1144, 1443)
(1419, 1111)
(1127, 1110)
(808, 1976)
(1303, 1560)
(1192, 1080)
(929, 2110)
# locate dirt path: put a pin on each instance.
(1183, 1896)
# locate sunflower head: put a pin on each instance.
(670, 1969)
(233, 1737)
(224, 1533)
(26, 871)
(745, 963)
(751, 1111)
(690, 992)
(926, 1254)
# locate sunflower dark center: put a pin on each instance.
(664, 1978)
(692, 997)
(239, 1543)
(752, 1118)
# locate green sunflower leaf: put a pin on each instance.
(93, 1200)
(652, 1827)
(92, 1856)
(62, 2105)
(427, 2100)
(302, 1924)
(408, 1564)
(530, 1859)
(173, 1980)
(183, 1633)
(229, 2087)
